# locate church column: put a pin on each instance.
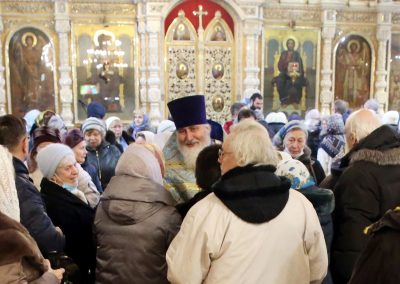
(383, 32)
(143, 54)
(252, 32)
(154, 83)
(2, 81)
(328, 32)
(63, 29)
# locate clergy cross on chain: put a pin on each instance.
(200, 13)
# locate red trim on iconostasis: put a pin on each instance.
(189, 6)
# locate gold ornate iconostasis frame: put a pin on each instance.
(49, 40)
(343, 42)
(105, 69)
(215, 49)
(394, 72)
(308, 46)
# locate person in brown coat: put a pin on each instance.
(135, 221)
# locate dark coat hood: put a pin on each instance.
(254, 194)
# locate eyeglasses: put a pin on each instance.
(221, 153)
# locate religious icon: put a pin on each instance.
(290, 69)
(181, 32)
(218, 71)
(31, 70)
(219, 34)
(353, 71)
(218, 103)
(290, 80)
(182, 71)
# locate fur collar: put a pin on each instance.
(382, 158)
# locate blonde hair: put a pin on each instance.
(251, 144)
(138, 111)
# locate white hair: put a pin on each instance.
(361, 123)
(251, 144)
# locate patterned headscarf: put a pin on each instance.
(296, 172)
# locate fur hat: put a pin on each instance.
(94, 123)
(188, 111)
(296, 172)
(50, 157)
(74, 137)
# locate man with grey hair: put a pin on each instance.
(367, 187)
(249, 216)
(181, 150)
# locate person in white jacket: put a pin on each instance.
(252, 228)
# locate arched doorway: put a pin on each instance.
(199, 51)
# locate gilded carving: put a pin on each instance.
(181, 72)
(28, 7)
(396, 18)
(111, 9)
(356, 17)
(299, 15)
(218, 86)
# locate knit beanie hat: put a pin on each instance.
(50, 157)
(296, 172)
(110, 120)
(291, 125)
(94, 123)
(96, 109)
(74, 137)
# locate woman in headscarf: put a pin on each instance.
(20, 258)
(67, 206)
(140, 123)
(135, 221)
(292, 139)
(91, 188)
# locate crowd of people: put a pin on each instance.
(280, 199)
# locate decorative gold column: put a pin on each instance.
(153, 28)
(328, 32)
(143, 54)
(63, 28)
(383, 31)
(2, 81)
(252, 32)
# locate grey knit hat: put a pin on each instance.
(50, 157)
(94, 123)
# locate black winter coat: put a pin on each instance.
(104, 159)
(33, 212)
(313, 166)
(92, 171)
(368, 186)
(75, 218)
(379, 261)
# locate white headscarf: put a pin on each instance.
(9, 203)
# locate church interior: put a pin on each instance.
(128, 54)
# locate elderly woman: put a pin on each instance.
(116, 135)
(244, 231)
(135, 221)
(292, 139)
(67, 206)
(101, 154)
(140, 123)
(20, 258)
(88, 183)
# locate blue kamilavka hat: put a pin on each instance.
(188, 111)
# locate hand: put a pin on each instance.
(57, 272)
(58, 229)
